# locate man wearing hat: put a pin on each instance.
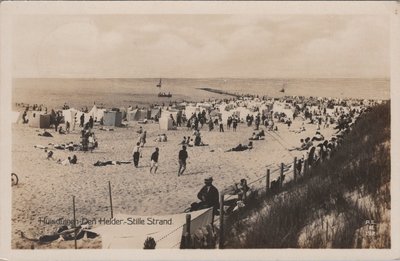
(209, 195)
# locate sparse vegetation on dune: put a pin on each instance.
(342, 203)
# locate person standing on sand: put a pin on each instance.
(154, 161)
(183, 155)
(142, 139)
(82, 118)
(136, 154)
(234, 124)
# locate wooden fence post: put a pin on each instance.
(305, 167)
(111, 205)
(267, 182)
(187, 234)
(295, 169)
(221, 222)
(73, 206)
(281, 177)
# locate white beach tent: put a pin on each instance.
(166, 123)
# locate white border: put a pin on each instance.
(8, 9)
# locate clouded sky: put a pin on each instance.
(201, 46)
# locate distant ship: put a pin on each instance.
(162, 94)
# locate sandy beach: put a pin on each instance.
(46, 188)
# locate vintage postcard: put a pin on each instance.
(156, 130)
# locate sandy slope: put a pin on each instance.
(46, 188)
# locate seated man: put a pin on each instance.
(209, 195)
(243, 190)
(50, 155)
(183, 142)
(241, 147)
(61, 131)
(74, 160)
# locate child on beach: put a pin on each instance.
(154, 161)
(136, 154)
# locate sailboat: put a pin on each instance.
(283, 88)
(162, 94)
(159, 84)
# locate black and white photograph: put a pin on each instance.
(177, 129)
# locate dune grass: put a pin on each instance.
(330, 207)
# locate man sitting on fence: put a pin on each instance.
(209, 195)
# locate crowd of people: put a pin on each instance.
(320, 113)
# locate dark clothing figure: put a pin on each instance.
(91, 122)
(82, 120)
(154, 156)
(183, 155)
(209, 196)
(234, 124)
(74, 160)
(221, 127)
(229, 122)
(136, 155)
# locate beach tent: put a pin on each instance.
(112, 118)
(166, 123)
(123, 111)
(70, 114)
(39, 121)
(155, 113)
(168, 113)
(167, 234)
(138, 115)
(131, 115)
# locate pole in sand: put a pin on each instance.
(221, 222)
(111, 206)
(73, 206)
(281, 177)
(294, 169)
(267, 182)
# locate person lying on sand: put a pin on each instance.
(241, 147)
(69, 146)
(161, 138)
(64, 162)
(40, 147)
(256, 136)
(45, 134)
(110, 162)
